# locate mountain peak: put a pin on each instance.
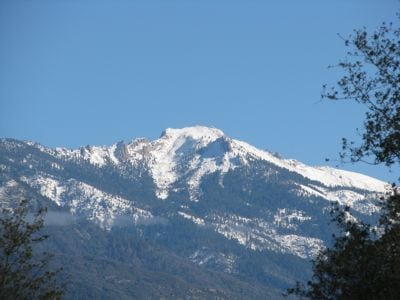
(195, 132)
(187, 154)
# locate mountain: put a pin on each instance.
(193, 214)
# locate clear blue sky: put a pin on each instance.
(78, 72)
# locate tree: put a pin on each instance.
(24, 273)
(372, 78)
(362, 263)
(364, 260)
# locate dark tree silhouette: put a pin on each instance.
(364, 260)
(363, 263)
(372, 78)
(24, 273)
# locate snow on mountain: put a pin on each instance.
(258, 234)
(204, 150)
(178, 152)
(211, 199)
(277, 218)
(85, 200)
(193, 152)
(329, 177)
(98, 156)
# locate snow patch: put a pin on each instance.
(258, 235)
(360, 202)
(194, 219)
(330, 177)
(83, 199)
(288, 218)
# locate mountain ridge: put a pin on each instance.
(218, 202)
(202, 136)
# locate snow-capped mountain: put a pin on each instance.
(234, 202)
(193, 152)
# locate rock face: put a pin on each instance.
(217, 202)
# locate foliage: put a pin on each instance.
(364, 261)
(24, 273)
(372, 78)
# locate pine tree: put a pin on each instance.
(24, 273)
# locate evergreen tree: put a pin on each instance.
(24, 273)
(364, 260)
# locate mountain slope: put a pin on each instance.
(219, 203)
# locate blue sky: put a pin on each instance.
(78, 72)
